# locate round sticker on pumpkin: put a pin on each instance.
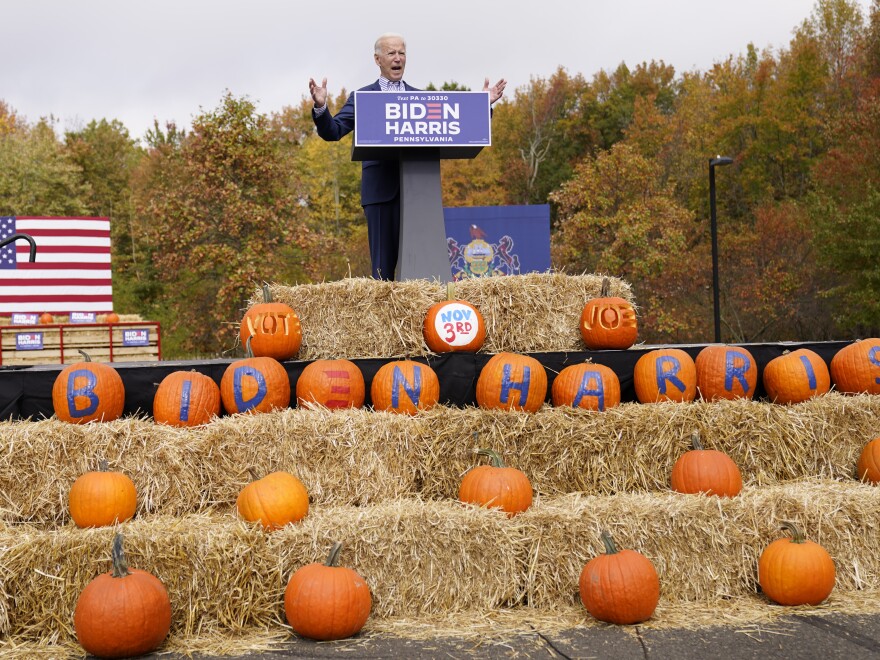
(457, 324)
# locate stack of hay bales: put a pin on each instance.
(364, 318)
(386, 485)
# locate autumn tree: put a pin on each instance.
(613, 97)
(217, 208)
(536, 137)
(37, 176)
(9, 119)
(616, 217)
(329, 183)
(846, 213)
(107, 158)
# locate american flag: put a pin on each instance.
(72, 268)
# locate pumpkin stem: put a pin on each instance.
(605, 289)
(120, 566)
(610, 546)
(695, 441)
(103, 465)
(86, 356)
(796, 534)
(494, 457)
(333, 557)
(248, 352)
(267, 295)
(450, 291)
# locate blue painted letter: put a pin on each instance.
(87, 390)
(507, 385)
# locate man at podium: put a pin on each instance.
(380, 179)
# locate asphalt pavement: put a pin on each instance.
(854, 637)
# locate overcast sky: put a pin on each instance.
(137, 61)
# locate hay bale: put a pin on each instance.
(433, 560)
(361, 457)
(226, 577)
(706, 549)
(363, 318)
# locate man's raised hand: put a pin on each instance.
(495, 91)
(319, 92)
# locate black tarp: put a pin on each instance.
(26, 392)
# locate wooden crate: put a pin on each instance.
(61, 343)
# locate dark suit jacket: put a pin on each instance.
(380, 179)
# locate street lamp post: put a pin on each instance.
(720, 161)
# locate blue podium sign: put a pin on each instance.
(422, 119)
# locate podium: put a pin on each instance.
(419, 129)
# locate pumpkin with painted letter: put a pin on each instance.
(665, 374)
(726, 372)
(405, 386)
(856, 368)
(254, 385)
(796, 376)
(88, 391)
(331, 383)
(186, 398)
(587, 385)
(510, 381)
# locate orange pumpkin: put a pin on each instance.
(275, 500)
(101, 498)
(112, 317)
(273, 328)
(88, 391)
(608, 322)
(327, 601)
(454, 325)
(510, 381)
(589, 386)
(331, 383)
(665, 374)
(123, 613)
(186, 398)
(620, 586)
(868, 466)
(46, 318)
(796, 376)
(726, 372)
(496, 486)
(855, 368)
(254, 384)
(405, 386)
(794, 571)
(707, 471)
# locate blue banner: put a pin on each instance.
(422, 119)
(498, 240)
